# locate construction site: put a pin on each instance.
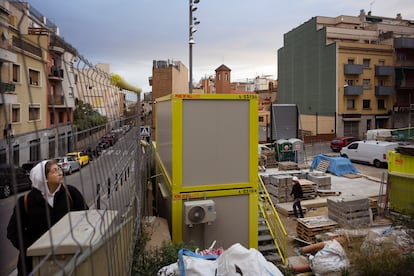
(217, 193)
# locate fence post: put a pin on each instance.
(98, 196)
(109, 186)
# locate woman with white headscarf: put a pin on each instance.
(47, 202)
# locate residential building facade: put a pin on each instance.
(345, 73)
(39, 79)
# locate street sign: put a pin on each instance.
(145, 131)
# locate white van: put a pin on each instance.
(372, 152)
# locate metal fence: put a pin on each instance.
(54, 101)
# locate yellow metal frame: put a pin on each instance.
(174, 182)
(273, 221)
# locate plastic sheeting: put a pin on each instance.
(337, 165)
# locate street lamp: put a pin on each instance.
(192, 22)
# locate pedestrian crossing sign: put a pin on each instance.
(145, 131)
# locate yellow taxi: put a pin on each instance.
(80, 156)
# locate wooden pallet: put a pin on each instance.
(308, 228)
(323, 193)
(323, 165)
(351, 175)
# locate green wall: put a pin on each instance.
(307, 70)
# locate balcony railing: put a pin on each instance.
(404, 43)
(383, 90)
(56, 100)
(353, 90)
(353, 69)
(56, 73)
(384, 70)
(7, 87)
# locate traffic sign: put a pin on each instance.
(145, 131)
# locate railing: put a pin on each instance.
(272, 219)
(56, 99)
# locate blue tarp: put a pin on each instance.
(337, 165)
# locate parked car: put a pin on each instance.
(370, 151)
(110, 138)
(68, 164)
(338, 143)
(80, 156)
(28, 166)
(22, 180)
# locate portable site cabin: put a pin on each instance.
(206, 152)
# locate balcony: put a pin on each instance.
(7, 87)
(353, 69)
(353, 90)
(404, 43)
(56, 73)
(383, 90)
(384, 70)
(56, 100)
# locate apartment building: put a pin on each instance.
(348, 74)
(39, 79)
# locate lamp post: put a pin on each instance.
(192, 22)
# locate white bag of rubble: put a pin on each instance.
(238, 260)
(330, 259)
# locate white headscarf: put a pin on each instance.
(39, 181)
(38, 176)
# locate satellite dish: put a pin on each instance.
(196, 214)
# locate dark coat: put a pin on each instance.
(39, 218)
(296, 191)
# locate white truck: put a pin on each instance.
(369, 151)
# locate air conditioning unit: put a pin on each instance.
(199, 211)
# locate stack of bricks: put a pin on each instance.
(349, 212)
(279, 188)
(322, 180)
(308, 189)
(288, 166)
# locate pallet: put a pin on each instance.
(323, 193)
(323, 165)
(351, 175)
(308, 228)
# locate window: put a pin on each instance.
(353, 146)
(15, 113)
(34, 150)
(16, 155)
(350, 61)
(16, 73)
(34, 112)
(34, 77)
(219, 76)
(226, 76)
(52, 117)
(261, 119)
(350, 82)
(381, 83)
(52, 145)
(367, 83)
(366, 62)
(381, 62)
(350, 104)
(61, 116)
(381, 104)
(366, 104)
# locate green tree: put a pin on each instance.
(85, 117)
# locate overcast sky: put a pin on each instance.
(244, 35)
